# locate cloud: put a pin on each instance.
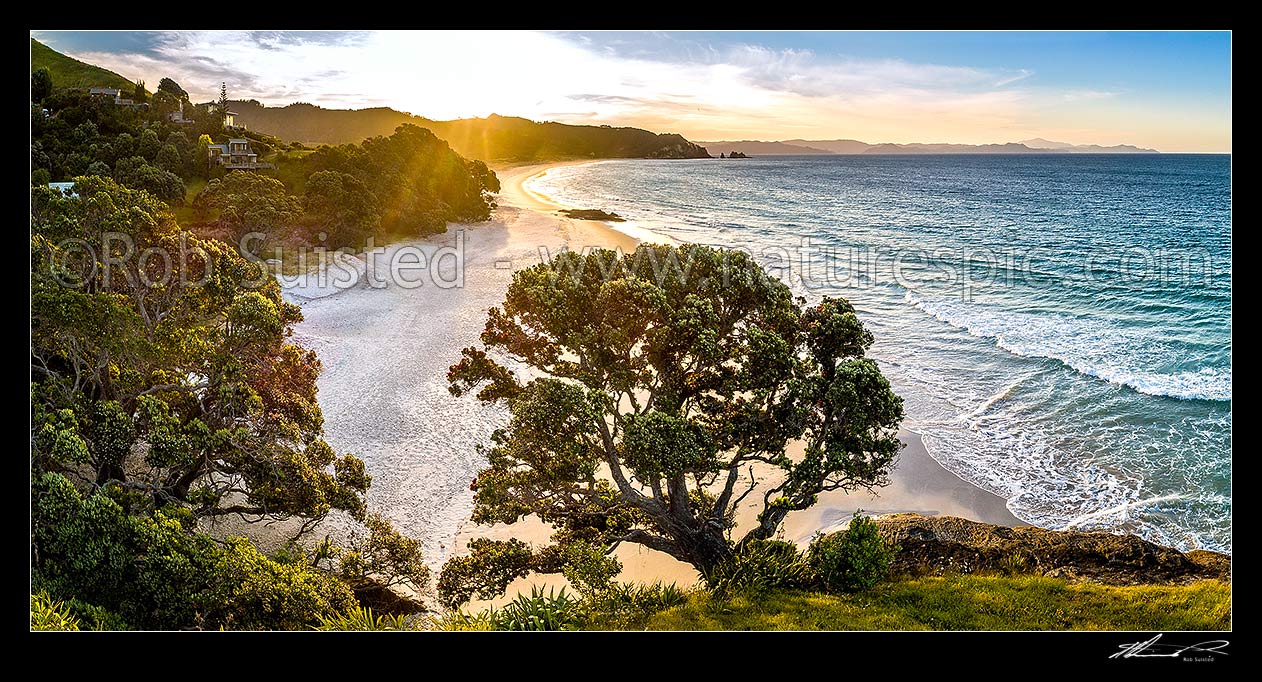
(1021, 74)
(1087, 95)
(661, 81)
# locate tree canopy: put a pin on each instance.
(171, 376)
(172, 88)
(664, 382)
(416, 181)
(41, 84)
(250, 202)
(341, 206)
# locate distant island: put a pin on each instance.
(799, 147)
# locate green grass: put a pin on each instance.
(184, 214)
(960, 603)
(69, 72)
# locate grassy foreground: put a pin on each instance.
(958, 603)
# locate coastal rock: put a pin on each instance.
(947, 544)
(591, 214)
(677, 147)
(395, 599)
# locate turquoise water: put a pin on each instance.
(1060, 326)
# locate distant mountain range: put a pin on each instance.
(815, 147)
(494, 138)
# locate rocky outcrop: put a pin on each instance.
(676, 147)
(591, 214)
(946, 544)
(395, 600)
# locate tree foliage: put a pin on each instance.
(41, 84)
(341, 206)
(221, 105)
(485, 571)
(666, 380)
(851, 560)
(81, 130)
(171, 377)
(417, 182)
(382, 558)
(155, 573)
(172, 88)
(137, 173)
(250, 202)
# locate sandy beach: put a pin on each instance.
(386, 350)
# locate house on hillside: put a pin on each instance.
(178, 116)
(235, 155)
(116, 95)
(229, 119)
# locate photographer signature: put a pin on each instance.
(1154, 649)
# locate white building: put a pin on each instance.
(178, 116)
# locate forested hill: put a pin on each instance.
(68, 72)
(495, 138)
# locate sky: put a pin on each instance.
(1165, 90)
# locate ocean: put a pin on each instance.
(1058, 325)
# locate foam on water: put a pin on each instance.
(1094, 347)
(1099, 402)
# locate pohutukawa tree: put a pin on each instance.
(654, 388)
(161, 366)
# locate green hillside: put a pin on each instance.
(495, 138)
(69, 72)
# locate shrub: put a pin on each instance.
(588, 568)
(462, 620)
(851, 560)
(153, 572)
(555, 610)
(625, 604)
(757, 566)
(486, 571)
(362, 619)
(49, 614)
(92, 617)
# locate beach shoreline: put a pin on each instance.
(918, 483)
(384, 395)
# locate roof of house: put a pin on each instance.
(220, 147)
(238, 140)
(104, 91)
